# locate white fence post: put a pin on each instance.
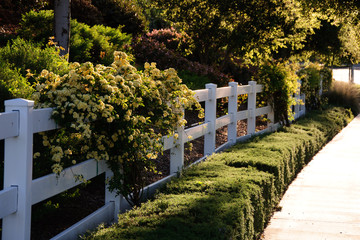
(232, 111)
(303, 106)
(111, 196)
(177, 152)
(321, 85)
(251, 121)
(18, 166)
(210, 117)
(271, 118)
(297, 99)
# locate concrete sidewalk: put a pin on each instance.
(324, 200)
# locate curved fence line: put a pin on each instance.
(21, 121)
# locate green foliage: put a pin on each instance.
(155, 16)
(312, 76)
(193, 81)
(325, 42)
(96, 44)
(231, 195)
(12, 84)
(124, 13)
(280, 84)
(310, 85)
(337, 40)
(37, 26)
(147, 49)
(85, 12)
(327, 77)
(346, 95)
(26, 55)
(172, 39)
(251, 29)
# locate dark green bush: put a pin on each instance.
(327, 78)
(96, 44)
(193, 81)
(156, 17)
(147, 49)
(124, 13)
(37, 26)
(84, 11)
(231, 195)
(12, 84)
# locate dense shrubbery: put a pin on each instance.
(95, 44)
(173, 40)
(37, 26)
(233, 194)
(193, 81)
(84, 11)
(312, 77)
(24, 55)
(19, 60)
(12, 84)
(103, 107)
(280, 85)
(122, 13)
(150, 50)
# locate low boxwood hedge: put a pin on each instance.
(233, 194)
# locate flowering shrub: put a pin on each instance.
(114, 113)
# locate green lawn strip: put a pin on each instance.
(233, 194)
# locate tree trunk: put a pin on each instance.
(62, 14)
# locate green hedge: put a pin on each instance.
(233, 194)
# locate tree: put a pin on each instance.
(337, 40)
(62, 24)
(250, 29)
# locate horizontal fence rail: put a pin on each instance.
(8, 201)
(9, 123)
(58, 184)
(21, 121)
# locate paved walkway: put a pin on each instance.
(324, 200)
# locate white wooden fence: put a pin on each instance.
(347, 74)
(20, 121)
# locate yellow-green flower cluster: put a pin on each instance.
(114, 113)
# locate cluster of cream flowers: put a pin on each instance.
(114, 113)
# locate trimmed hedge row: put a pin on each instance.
(233, 194)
